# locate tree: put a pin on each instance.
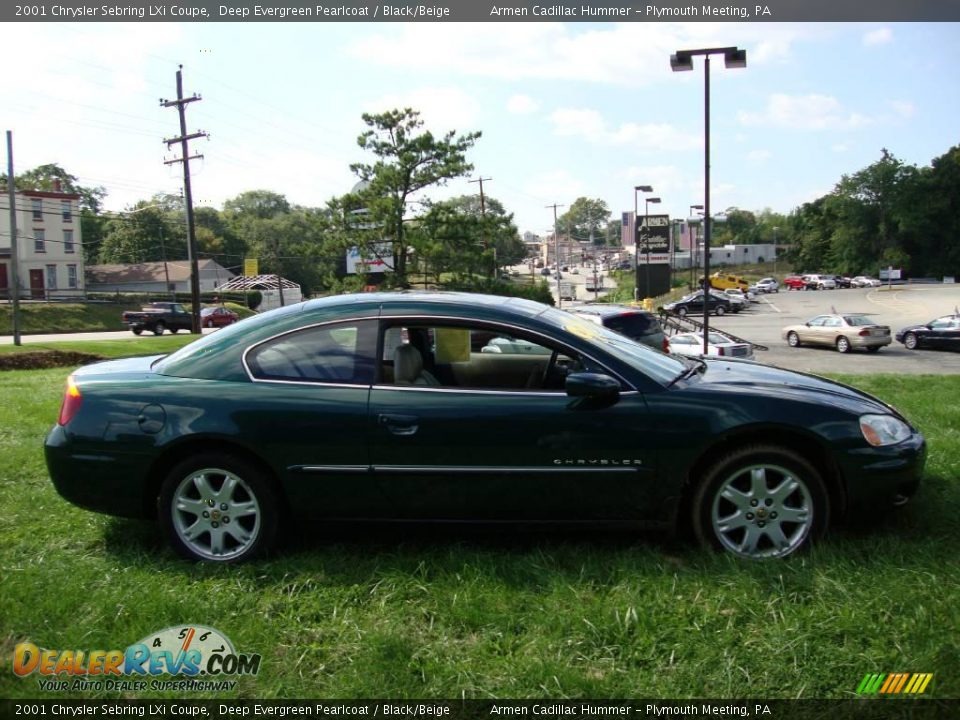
(585, 220)
(145, 233)
(408, 160)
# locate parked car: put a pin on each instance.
(795, 282)
(217, 317)
(322, 411)
(766, 285)
(722, 281)
(693, 303)
(844, 331)
(819, 282)
(861, 281)
(158, 317)
(717, 344)
(737, 302)
(745, 297)
(636, 324)
(545, 272)
(842, 281)
(942, 333)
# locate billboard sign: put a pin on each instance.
(379, 259)
(653, 239)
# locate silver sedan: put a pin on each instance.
(843, 331)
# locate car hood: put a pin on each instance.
(746, 376)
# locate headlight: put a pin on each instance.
(880, 430)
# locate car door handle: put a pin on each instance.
(400, 424)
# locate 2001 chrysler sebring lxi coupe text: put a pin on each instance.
(385, 406)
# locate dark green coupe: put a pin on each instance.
(468, 408)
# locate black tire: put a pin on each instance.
(682, 312)
(843, 345)
(241, 488)
(136, 331)
(174, 330)
(736, 510)
(159, 328)
(720, 310)
(793, 340)
(911, 341)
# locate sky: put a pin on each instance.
(565, 110)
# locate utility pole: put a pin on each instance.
(556, 249)
(14, 264)
(180, 103)
(276, 252)
(483, 216)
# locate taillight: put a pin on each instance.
(721, 351)
(666, 345)
(71, 402)
(863, 333)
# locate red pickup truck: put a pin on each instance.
(159, 316)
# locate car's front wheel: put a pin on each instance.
(793, 340)
(136, 331)
(910, 341)
(760, 502)
(682, 312)
(720, 310)
(843, 345)
(217, 508)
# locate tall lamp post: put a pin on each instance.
(680, 61)
(646, 234)
(694, 244)
(636, 237)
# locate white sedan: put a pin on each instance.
(864, 281)
(718, 344)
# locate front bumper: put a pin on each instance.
(884, 476)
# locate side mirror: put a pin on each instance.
(594, 386)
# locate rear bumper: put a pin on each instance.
(113, 484)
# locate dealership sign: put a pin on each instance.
(379, 258)
(653, 239)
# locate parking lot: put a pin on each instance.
(897, 307)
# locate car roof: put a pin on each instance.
(608, 310)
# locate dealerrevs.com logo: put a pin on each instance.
(202, 656)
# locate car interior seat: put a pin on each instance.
(408, 368)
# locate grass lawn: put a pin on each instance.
(485, 614)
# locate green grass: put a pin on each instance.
(479, 614)
(125, 347)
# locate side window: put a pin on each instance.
(336, 353)
(472, 358)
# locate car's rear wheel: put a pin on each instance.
(843, 345)
(218, 509)
(910, 341)
(136, 331)
(682, 312)
(159, 328)
(174, 330)
(793, 340)
(720, 310)
(760, 502)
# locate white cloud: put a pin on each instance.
(665, 179)
(807, 112)
(591, 126)
(441, 108)
(903, 108)
(881, 36)
(522, 105)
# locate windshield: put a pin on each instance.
(657, 365)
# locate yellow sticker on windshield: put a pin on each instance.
(584, 329)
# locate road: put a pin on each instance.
(55, 337)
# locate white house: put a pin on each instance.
(155, 277)
(49, 244)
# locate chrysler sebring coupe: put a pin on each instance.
(381, 407)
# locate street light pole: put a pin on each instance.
(680, 61)
(694, 245)
(636, 241)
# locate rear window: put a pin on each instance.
(633, 325)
